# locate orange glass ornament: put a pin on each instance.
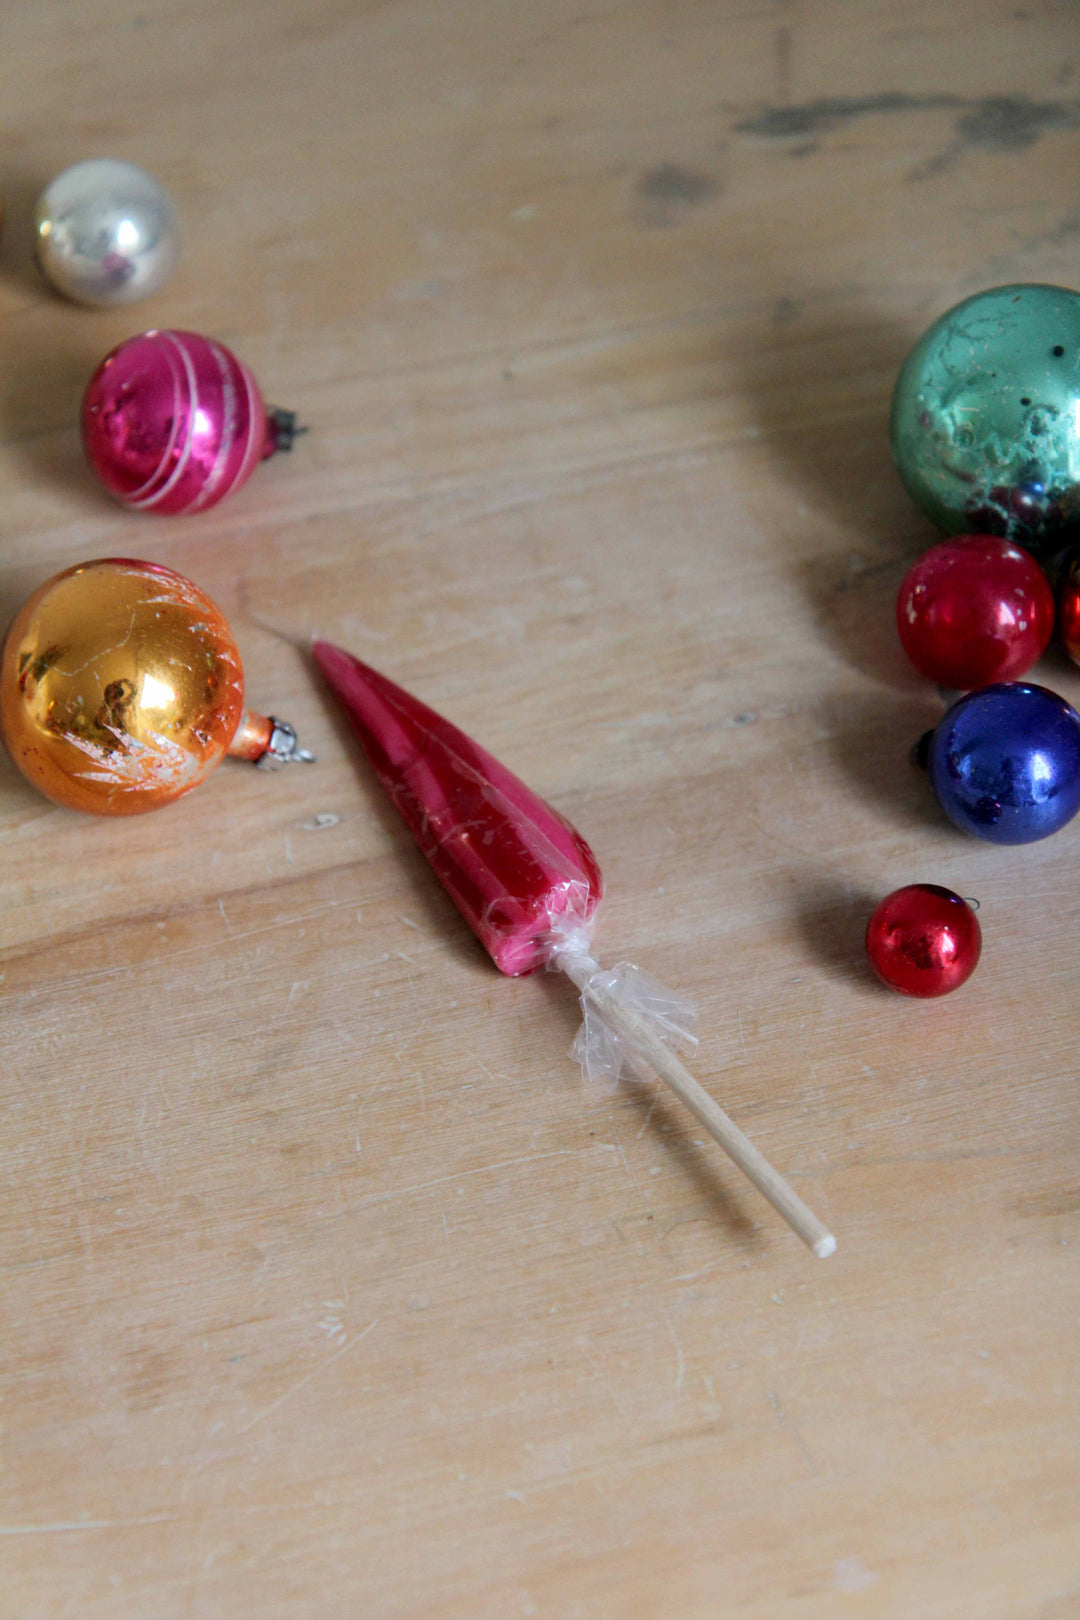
(121, 688)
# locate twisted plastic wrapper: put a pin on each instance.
(601, 1049)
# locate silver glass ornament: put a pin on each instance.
(107, 233)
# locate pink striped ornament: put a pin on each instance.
(174, 422)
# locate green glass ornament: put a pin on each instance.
(986, 417)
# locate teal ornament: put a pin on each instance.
(986, 417)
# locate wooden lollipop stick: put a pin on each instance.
(641, 1036)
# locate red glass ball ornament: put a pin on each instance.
(923, 940)
(174, 422)
(975, 610)
(1068, 605)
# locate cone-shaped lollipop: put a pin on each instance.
(528, 885)
(515, 869)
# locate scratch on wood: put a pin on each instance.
(461, 1175)
(82, 1215)
(622, 1155)
(64, 1526)
(648, 1116)
(583, 1346)
(302, 1383)
(641, 1195)
(94, 975)
(680, 1363)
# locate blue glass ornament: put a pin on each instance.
(1004, 763)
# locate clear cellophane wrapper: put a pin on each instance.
(605, 1054)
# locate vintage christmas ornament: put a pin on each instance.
(1004, 763)
(121, 688)
(107, 233)
(528, 886)
(174, 422)
(986, 416)
(923, 940)
(1068, 604)
(975, 610)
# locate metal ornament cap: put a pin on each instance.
(1004, 763)
(986, 416)
(121, 687)
(107, 233)
(173, 422)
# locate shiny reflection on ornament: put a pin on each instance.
(155, 694)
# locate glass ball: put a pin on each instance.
(107, 233)
(121, 687)
(1004, 763)
(174, 422)
(1068, 604)
(923, 940)
(986, 417)
(975, 610)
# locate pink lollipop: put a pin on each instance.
(528, 886)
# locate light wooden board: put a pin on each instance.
(330, 1293)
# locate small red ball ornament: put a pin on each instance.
(1068, 605)
(975, 610)
(923, 940)
(174, 422)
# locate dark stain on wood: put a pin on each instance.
(1011, 123)
(994, 123)
(815, 117)
(665, 194)
(669, 183)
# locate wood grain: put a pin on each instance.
(329, 1290)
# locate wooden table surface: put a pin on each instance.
(329, 1288)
